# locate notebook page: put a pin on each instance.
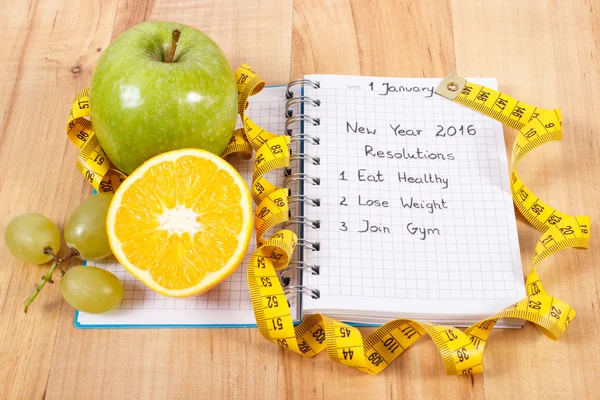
(416, 214)
(228, 304)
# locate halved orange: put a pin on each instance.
(181, 222)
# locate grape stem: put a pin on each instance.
(48, 275)
(46, 278)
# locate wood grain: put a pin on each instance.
(546, 56)
(50, 50)
(380, 38)
(545, 53)
(254, 32)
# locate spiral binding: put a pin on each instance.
(298, 265)
(300, 82)
(297, 198)
(291, 176)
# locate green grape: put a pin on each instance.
(27, 235)
(85, 230)
(91, 289)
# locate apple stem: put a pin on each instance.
(174, 40)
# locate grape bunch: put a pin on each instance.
(35, 239)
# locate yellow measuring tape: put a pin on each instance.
(92, 162)
(461, 351)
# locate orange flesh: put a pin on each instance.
(180, 221)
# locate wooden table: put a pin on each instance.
(545, 53)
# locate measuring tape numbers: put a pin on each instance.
(92, 161)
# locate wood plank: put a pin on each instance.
(162, 363)
(248, 31)
(48, 50)
(400, 38)
(545, 55)
(176, 363)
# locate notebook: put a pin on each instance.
(416, 217)
(226, 305)
(413, 218)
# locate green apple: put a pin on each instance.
(142, 103)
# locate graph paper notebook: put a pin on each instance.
(416, 217)
(407, 211)
(228, 304)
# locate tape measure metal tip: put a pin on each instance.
(451, 86)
